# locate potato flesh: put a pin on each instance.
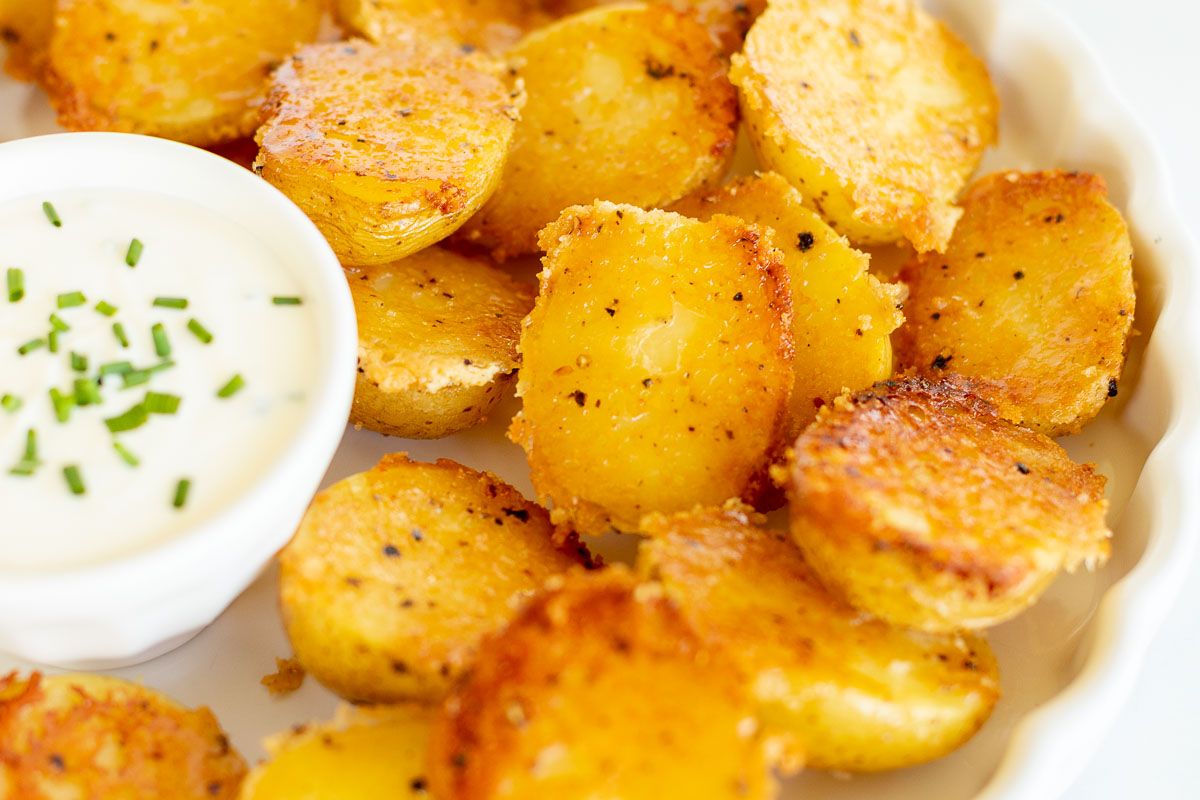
(396, 573)
(842, 317)
(916, 502)
(66, 736)
(438, 337)
(598, 689)
(843, 690)
(872, 108)
(625, 103)
(656, 365)
(1035, 294)
(195, 71)
(387, 150)
(492, 25)
(25, 27)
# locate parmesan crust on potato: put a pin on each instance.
(872, 108)
(915, 501)
(1035, 294)
(25, 28)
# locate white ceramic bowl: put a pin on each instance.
(132, 608)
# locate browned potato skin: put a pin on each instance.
(1035, 294)
(92, 736)
(438, 337)
(627, 103)
(387, 150)
(396, 573)
(195, 71)
(25, 27)
(917, 502)
(656, 365)
(607, 676)
(841, 690)
(872, 108)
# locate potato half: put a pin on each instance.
(656, 365)
(843, 690)
(25, 29)
(395, 574)
(627, 103)
(842, 316)
(437, 342)
(916, 502)
(598, 689)
(387, 150)
(92, 736)
(872, 108)
(491, 25)
(1035, 294)
(195, 71)
(364, 754)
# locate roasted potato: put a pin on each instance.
(627, 103)
(437, 342)
(843, 690)
(872, 108)
(491, 25)
(194, 71)
(656, 365)
(25, 28)
(387, 150)
(916, 502)
(91, 736)
(727, 21)
(364, 754)
(1035, 294)
(396, 573)
(842, 317)
(598, 689)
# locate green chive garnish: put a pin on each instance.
(57, 323)
(126, 456)
(79, 363)
(286, 301)
(30, 346)
(135, 378)
(132, 419)
(74, 480)
(105, 308)
(162, 345)
(158, 403)
(52, 341)
(119, 332)
(16, 285)
(231, 388)
(115, 368)
(71, 299)
(134, 254)
(161, 366)
(171, 302)
(29, 462)
(86, 392)
(11, 403)
(51, 214)
(200, 331)
(181, 493)
(62, 404)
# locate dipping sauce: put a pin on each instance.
(176, 383)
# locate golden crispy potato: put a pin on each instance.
(396, 573)
(25, 28)
(656, 365)
(843, 690)
(627, 103)
(195, 71)
(919, 504)
(598, 689)
(387, 150)
(1035, 294)
(364, 754)
(842, 317)
(872, 108)
(91, 736)
(437, 342)
(727, 21)
(491, 25)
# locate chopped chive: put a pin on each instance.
(199, 330)
(57, 323)
(134, 254)
(162, 345)
(231, 388)
(52, 341)
(62, 404)
(158, 403)
(51, 214)
(74, 480)
(16, 284)
(161, 366)
(132, 419)
(29, 462)
(286, 301)
(71, 299)
(79, 363)
(181, 493)
(119, 332)
(171, 302)
(106, 308)
(30, 346)
(135, 377)
(11, 403)
(115, 368)
(126, 456)
(86, 392)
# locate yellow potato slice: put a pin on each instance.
(598, 689)
(437, 345)
(916, 502)
(842, 317)
(396, 573)
(872, 108)
(92, 736)
(1035, 294)
(843, 690)
(627, 103)
(656, 365)
(491, 25)
(387, 150)
(25, 28)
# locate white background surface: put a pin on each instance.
(1150, 53)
